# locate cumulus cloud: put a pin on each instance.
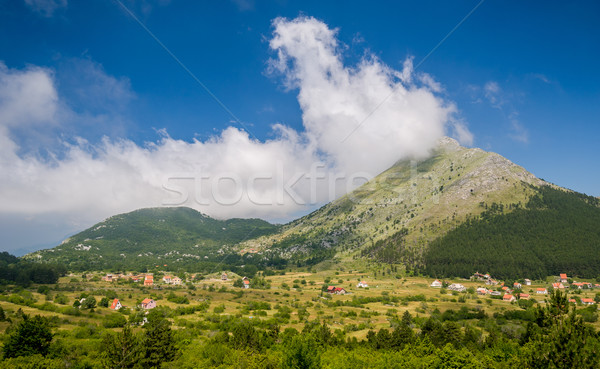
(358, 120)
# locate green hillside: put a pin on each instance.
(394, 217)
(556, 232)
(173, 236)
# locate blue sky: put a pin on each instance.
(520, 78)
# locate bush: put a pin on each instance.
(114, 321)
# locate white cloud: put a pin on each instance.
(277, 178)
(46, 7)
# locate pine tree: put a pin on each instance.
(32, 336)
(158, 342)
(121, 350)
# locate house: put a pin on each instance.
(107, 278)
(224, 276)
(579, 285)
(340, 291)
(436, 284)
(116, 304)
(246, 283)
(505, 289)
(135, 279)
(457, 287)
(176, 281)
(563, 278)
(541, 291)
(524, 296)
(167, 279)
(588, 301)
(148, 304)
(572, 301)
(527, 282)
(149, 280)
(496, 293)
(517, 285)
(596, 285)
(558, 286)
(336, 290)
(362, 284)
(509, 298)
(482, 291)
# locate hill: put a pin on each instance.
(394, 217)
(145, 237)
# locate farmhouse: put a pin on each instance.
(509, 298)
(517, 285)
(176, 281)
(524, 296)
(558, 286)
(527, 282)
(436, 284)
(362, 284)
(148, 304)
(336, 290)
(116, 304)
(563, 278)
(541, 291)
(588, 301)
(167, 279)
(246, 283)
(149, 280)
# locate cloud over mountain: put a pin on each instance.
(358, 120)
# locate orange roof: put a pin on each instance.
(149, 277)
(145, 301)
(541, 289)
(524, 295)
(507, 297)
(587, 300)
(563, 275)
(246, 281)
(114, 304)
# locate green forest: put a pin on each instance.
(556, 232)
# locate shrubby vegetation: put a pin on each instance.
(22, 272)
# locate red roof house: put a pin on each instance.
(116, 304)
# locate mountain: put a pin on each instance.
(459, 211)
(420, 213)
(146, 237)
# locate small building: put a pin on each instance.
(246, 283)
(588, 301)
(579, 285)
(108, 278)
(176, 281)
(505, 289)
(482, 291)
(336, 290)
(362, 284)
(517, 285)
(116, 304)
(572, 301)
(457, 287)
(563, 278)
(523, 296)
(167, 279)
(148, 304)
(496, 293)
(541, 291)
(436, 284)
(558, 286)
(149, 280)
(509, 298)
(224, 276)
(527, 282)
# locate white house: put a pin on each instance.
(457, 287)
(116, 304)
(541, 291)
(528, 282)
(362, 284)
(436, 284)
